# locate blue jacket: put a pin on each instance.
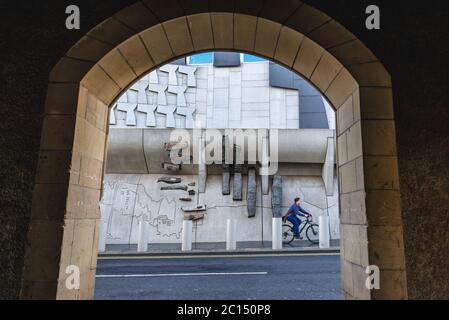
(297, 210)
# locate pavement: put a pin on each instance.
(271, 277)
(243, 248)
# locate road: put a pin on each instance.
(220, 278)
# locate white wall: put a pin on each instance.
(129, 198)
(237, 97)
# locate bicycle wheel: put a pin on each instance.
(312, 233)
(287, 234)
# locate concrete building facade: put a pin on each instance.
(207, 96)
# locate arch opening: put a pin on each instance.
(235, 99)
(85, 83)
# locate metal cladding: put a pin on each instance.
(276, 200)
(251, 193)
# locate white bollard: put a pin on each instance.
(142, 244)
(187, 226)
(277, 233)
(324, 232)
(231, 242)
(102, 235)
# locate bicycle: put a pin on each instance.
(311, 231)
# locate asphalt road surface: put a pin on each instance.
(220, 278)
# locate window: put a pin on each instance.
(227, 59)
(202, 58)
(223, 59)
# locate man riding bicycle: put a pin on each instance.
(292, 216)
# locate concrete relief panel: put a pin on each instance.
(159, 100)
(246, 95)
(130, 199)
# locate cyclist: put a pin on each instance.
(292, 216)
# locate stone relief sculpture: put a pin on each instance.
(128, 199)
(160, 89)
(238, 179)
(226, 187)
(166, 98)
(149, 111)
(170, 180)
(153, 77)
(276, 202)
(171, 70)
(140, 87)
(251, 193)
(180, 95)
(152, 84)
(129, 109)
(168, 188)
(169, 115)
(190, 72)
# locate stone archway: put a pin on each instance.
(112, 56)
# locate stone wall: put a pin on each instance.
(128, 199)
(416, 58)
